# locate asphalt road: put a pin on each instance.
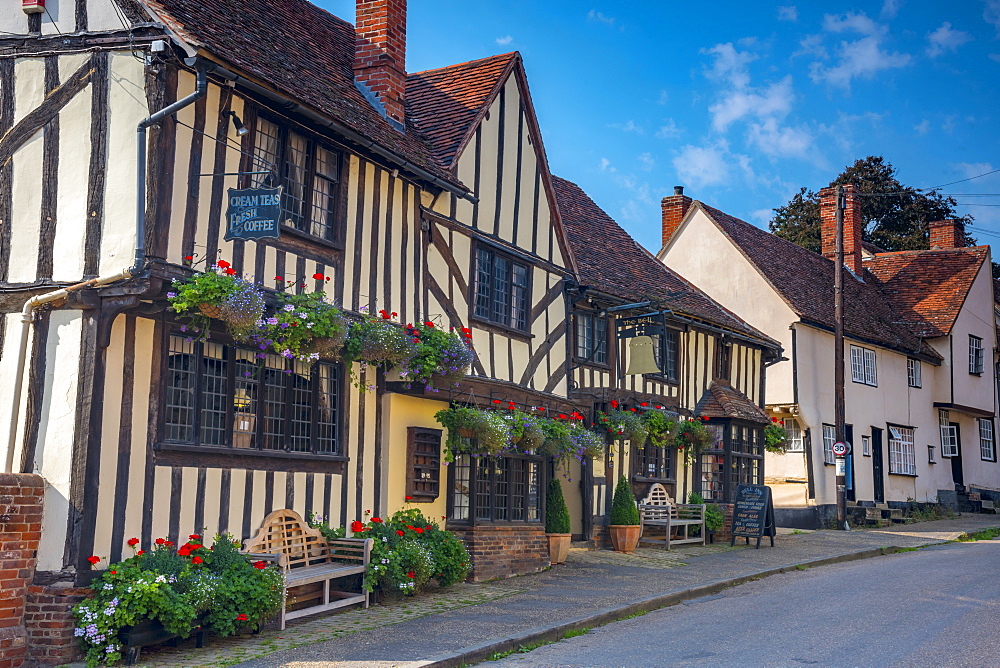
(938, 606)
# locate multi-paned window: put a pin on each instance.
(913, 373)
(746, 465)
(591, 338)
(987, 444)
(902, 458)
(975, 355)
(495, 489)
(309, 173)
(713, 466)
(794, 431)
(829, 438)
(722, 359)
(650, 461)
(863, 366)
(501, 289)
(949, 435)
(224, 396)
(666, 350)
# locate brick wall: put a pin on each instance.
(726, 532)
(49, 621)
(20, 531)
(946, 233)
(672, 211)
(504, 551)
(380, 52)
(853, 226)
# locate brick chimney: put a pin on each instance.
(672, 210)
(946, 233)
(852, 227)
(380, 54)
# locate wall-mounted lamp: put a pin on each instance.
(238, 124)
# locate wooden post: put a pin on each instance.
(838, 377)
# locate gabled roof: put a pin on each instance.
(298, 50)
(804, 279)
(928, 285)
(725, 401)
(446, 104)
(610, 261)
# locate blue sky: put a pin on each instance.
(741, 102)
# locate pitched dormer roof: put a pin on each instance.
(724, 401)
(610, 261)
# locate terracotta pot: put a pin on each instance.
(624, 537)
(558, 547)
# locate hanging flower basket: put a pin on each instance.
(776, 437)
(210, 310)
(526, 430)
(439, 358)
(379, 342)
(489, 431)
(303, 327)
(625, 424)
(217, 294)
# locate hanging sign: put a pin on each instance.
(253, 213)
(753, 514)
(649, 324)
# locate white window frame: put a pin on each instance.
(902, 456)
(913, 373)
(863, 366)
(796, 441)
(829, 438)
(975, 355)
(987, 440)
(866, 446)
(949, 435)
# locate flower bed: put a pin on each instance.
(183, 589)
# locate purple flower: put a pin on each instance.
(284, 325)
(184, 328)
(171, 295)
(272, 321)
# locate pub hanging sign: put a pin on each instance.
(253, 213)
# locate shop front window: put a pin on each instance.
(495, 489)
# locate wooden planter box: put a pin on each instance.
(146, 633)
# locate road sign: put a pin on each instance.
(839, 449)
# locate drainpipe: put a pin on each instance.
(28, 311)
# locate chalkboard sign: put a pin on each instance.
(253, 213)
(753, 514)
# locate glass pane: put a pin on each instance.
(483, 489)
(601, 340)
(519, 297)
(273, 383)
(517, 471)
(712, 483)
(484, 273)
(214, 394)
(501, 488)
(295, 178)
(324, 194)
(265, 153)
(180, 390)
(670, 354)
(501, 290)
(534, 503)
(300, 427)
(245, 400)
(326, 409)
(461, 469)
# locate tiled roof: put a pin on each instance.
(805, 280)
(928, 286)
(300, 50)
(725, 401)
(609, 260)
(445, 104)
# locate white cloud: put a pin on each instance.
(850, 22)
(861, 58)
(503, 41)
(781, 142)
(762, 217)
(812, 45)
(772, 101)
(663, 98)
(606, 166)
(668, 130)
(992, 14)
(628, 126)
(841, 132)
(890, 8)
(730, 65)
(646, 162)
(700, 166)
(995, 57)
(788, 13)
(923, 127)
(971, 169)
(945, 39)
(598, 17)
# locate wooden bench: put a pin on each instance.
(308, 558)
(659, 510)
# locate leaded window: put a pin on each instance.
(501, 289)
(495, 489)
(591, 338)
(309, 173)
(795, 440)
(219, 395)
(650, 461)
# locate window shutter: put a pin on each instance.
(423, 463)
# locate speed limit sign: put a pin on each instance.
(839, 449)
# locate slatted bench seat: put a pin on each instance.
(307, 558)
(659, 510)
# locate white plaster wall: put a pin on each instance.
(8, 368)
(29, 78)
(976, 318)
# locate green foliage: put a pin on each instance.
(776, 437)
(238, 302)
(714, 519)
(893, 223)
(692, 436)
(625, 424)
(408, 551)
(329, 532)
(558, 438)
(192, 586)
(490, 431)
(378, 342)
(526, 430)
(623, 507)
(556, 512)
(304, 326)
(439, 357)
(985, 534)
(661, 429)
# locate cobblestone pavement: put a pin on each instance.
(227, 651)
(446, 623)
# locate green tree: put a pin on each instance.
(895, 216)
(556, 513)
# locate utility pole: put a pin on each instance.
(838, 357)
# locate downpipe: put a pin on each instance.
(138, 267)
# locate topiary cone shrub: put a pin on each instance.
(625, 525)
(557, 524)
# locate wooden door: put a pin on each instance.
(957, 474)
(878, 473)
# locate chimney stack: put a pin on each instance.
(853, 227)
(380, 55)
(946, 234)
(672, 210)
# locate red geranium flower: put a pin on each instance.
(394, 314)
(160, 541)
(774, 419)
(357, 527)
(429, 324)
(399, 532)
(279, 278)
(196, 560)
(132, 542)
(645, 403)
(409, 498)
(230, 271)
(242, 617)
(184, 551)
(141, 552)
(614, 404)
(418, 529)
(113, 572)
(377, 520)
(259, 565)
(188, 257)
(223, 264)
(411, 574)
(496, 401)
(318, 276)
(93, 559)
(429, 527)
(194, 536)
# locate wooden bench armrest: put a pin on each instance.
(362, 547)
